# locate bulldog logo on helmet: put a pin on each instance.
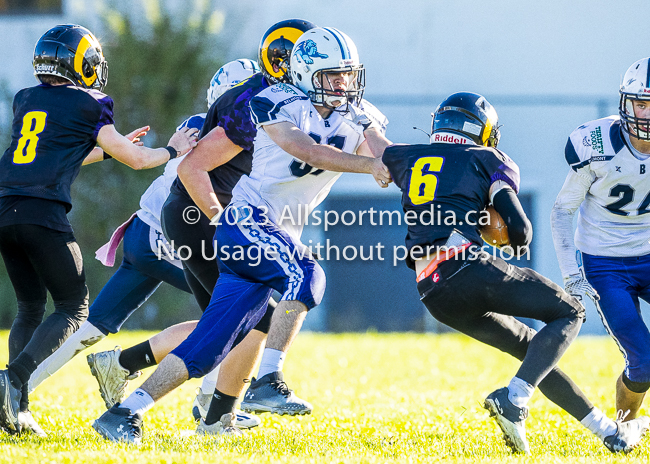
(308, 50)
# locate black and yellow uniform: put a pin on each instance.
(54, 129)
(477, 293)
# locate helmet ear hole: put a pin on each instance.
(87, 69)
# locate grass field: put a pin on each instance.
(377, 398)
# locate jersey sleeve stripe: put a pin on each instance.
(342, 47)
(264, 110)
(571, 156)
(615, 135)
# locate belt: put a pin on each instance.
(441, 257)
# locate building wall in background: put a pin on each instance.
(547, 67)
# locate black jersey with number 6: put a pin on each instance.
(444, 187)
(54, 129)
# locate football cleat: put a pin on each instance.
(271, 394)
(628, 434)
(120, 425)
(28, 424)
(111, 376)
(202, 404)
(224, 426)
(10, 397)
(510, 419)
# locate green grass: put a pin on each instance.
(377, 398)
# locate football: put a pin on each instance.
(495, 232)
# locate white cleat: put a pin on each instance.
(202, 404)
(223, 427)
(628, 434)
(111, 376)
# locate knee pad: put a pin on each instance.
(30, 313)
(264, 325)
(636, 387)
(76, 310)
(317, 285)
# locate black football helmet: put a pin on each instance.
(73, 53)
(276, 46)
(469, 115)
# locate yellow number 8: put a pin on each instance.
(423, 180)
(25, 152)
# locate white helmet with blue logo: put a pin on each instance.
(325, 50)
(635, 86)
(228, 75)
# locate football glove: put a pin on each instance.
(576, 285)
(361, 118)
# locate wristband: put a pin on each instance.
(172, 152)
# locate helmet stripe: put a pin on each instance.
(342, 45)
(84, 44)
(647, 83)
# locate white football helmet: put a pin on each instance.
(635, 86)
(325, 50)
(228, 75)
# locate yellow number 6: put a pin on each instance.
(25, 152)
(423, 180)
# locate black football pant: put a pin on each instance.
(481, 298)
(38, 260)
(195, 243)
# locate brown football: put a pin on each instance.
(495, 233)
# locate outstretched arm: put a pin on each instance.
(141, 157)
(298, 144)
(97, 154)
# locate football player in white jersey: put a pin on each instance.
(305, 140)
(609, 186)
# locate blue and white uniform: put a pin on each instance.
(142, 270)
(609, 186)
(258, 237)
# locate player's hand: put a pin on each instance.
(136, 134)
(380, 172)
(576, 285)
(184, 140)
(361, 118)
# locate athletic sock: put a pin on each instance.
(24, 398)
(86, 336)
(138, 402)
(137, 357)
(221, 404)
(599, 424)
(272, 361)
(20, 369)
(210, 381)
(520, 392)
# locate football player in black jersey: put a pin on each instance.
(445, 186)
(55, 129)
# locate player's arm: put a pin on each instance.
(98, 154)
(374, 145)
(373, 124)
(213, 150)
(300, 145)
(571, 196)
(141, 157)
(520, 230)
